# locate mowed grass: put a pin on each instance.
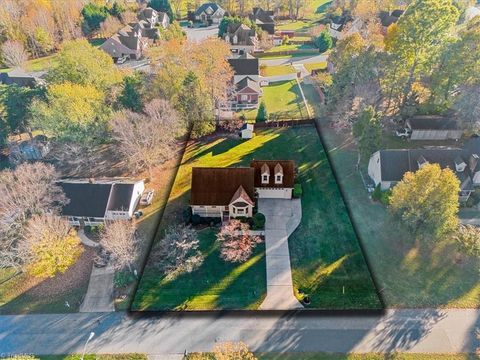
(372, 356)
(40, 64)
(315, 66)
(291, 47)
(277, 70)
(411, 273)
(324, 240)
(282, 100)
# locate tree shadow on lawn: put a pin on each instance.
(323, 8)
(410, 273)
(215, 285)
(49, 295)
(219, 146)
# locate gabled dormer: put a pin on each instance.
(265, 173)
(421, 161)
(278, 170)
(460, 164)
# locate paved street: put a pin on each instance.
(201, 33)
(427, 330)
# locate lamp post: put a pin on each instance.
(90, 337)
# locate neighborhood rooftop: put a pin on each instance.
(432, 122)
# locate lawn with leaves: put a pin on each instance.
(324, 250)
(282, 100)
(411, 273)
(276, 70)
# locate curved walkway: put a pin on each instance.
(282, 218)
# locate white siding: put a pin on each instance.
(138, 190)
(207, 211)
(274, 193)
(247, 134)
(375, 168)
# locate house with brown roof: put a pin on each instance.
(231, 192)
(242, 38)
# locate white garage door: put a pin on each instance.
(274, 193)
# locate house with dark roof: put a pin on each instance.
(388, 18)
(209, 13)
(242, 38)
(154, 17)
(264, 19)
(387, 167)
(433, 127)
(128, 43)
(231, 192)
(244, 66)
(92, 202)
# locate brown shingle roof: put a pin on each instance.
(288, 172)
(216, 186)
(241, 194)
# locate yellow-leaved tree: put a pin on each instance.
(49, 246)
(427, 200)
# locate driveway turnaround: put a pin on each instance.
(282, 218)
(415, 331)
(99, 297)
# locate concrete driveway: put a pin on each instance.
(99, 297)
(282, 218)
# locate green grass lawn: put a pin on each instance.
(314, 66)
(283, 101)
(40, 64)
(276, 70)
(297, 25)
(398, 356)
(324, 251)
(87, 357)
(410, 272)
(291, 47)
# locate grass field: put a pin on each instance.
(410, 272)
(315, 66)
(291, 47)
(398, 356)
(88, 357)
(276, 70)
(282, 100)
(324, 251)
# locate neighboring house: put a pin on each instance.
(277, 40)
(154, 18)
(389, 18)
(246, 131)
(472, 12)
(231, 192)
(242, 39)
(433, 127)
(128, 43)
(209, 13)
(92, 202)
(247, 91)
(20, 77)
(264, 19)
(387, 167)
(336, 26)
(244, 66)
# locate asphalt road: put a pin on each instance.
(199, 34)
(430, 330)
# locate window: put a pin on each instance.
(244, 97)
(240, 211)
(265, 179)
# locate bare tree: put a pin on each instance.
(110, 26)
(28, 190)
(178, 251)
(149, 139)
(49, 246)
(236, 241)
(79, 159)
(13, 53)
(232, 351)
(120, 239)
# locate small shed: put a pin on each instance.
(434, 127)
(246, 132)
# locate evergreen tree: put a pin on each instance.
(262, 114)
(324, 41)
(163, 6)
(131, 97)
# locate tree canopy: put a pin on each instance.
(427, 200)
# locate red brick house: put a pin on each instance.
(247, 91)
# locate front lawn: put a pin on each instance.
(411, 273)
(297, 25)
(276, 70)
(315, 66)
(282, 100)
(291, 47)
(324, 250)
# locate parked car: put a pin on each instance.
(403, 133)
(147, 198)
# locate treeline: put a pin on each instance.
(426, 63)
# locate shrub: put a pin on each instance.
(324, 41)
(187, 215)
(262, 114)
(258, 221)
(297, 191)
(123, 279)
(381, 196)
(196, 219)
(377, 193)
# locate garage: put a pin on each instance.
(274, 193)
